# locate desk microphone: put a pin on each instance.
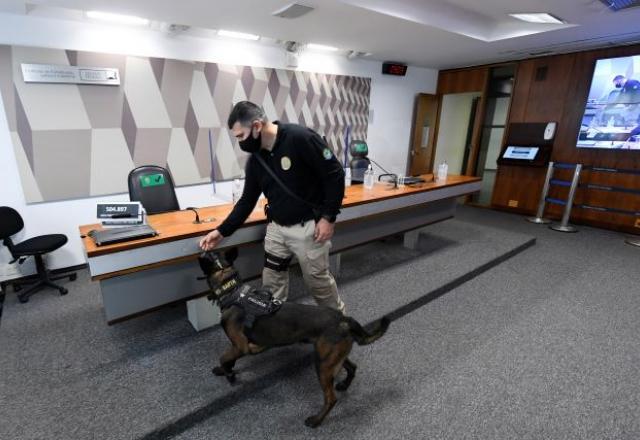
(380, 166)
(197, 221)
(394, 176)
(395, 179)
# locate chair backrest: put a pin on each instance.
(358, 166)
(10, 222)
(358, 148)
(153, 187)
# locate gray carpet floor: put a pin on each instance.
(543, 345)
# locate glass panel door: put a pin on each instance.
(493, 128)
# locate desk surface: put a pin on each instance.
(179, 225)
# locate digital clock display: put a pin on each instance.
(394, 69)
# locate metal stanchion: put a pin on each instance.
(564, 225)
(633, 241)
(538, 219)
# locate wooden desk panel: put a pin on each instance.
(141, 275)
(179, 225)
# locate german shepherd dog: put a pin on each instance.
(331, 333)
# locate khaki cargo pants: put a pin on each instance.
(285, 241)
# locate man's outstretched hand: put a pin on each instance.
(211, 240)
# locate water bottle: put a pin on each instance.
(347, 176)
(368, 178)
(443, 169)
(236, 190)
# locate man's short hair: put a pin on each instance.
(618, 77)
(245, 112)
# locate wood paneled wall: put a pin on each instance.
(463, 80)
(555, 88)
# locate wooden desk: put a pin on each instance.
(140, 275)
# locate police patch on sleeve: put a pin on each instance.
(327, 153)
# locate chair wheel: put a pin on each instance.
(17, 287)
(73, 277)
(23, 299)
(63, 291)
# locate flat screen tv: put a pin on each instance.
(611, 117)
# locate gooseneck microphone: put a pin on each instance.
(197, 220)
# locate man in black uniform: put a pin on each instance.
(629, 90)
(307, 167)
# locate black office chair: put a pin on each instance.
(359, 162)
(10, 224)
(153, 187)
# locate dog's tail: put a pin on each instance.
(361, 336)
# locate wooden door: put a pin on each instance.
(423, 136)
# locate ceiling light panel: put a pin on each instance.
(240, 35)
(538, 17)
(321, 47)
(117, 18)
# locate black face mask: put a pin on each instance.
(251, 144)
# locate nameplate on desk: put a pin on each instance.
(118, 210)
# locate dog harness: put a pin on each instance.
(254, 302)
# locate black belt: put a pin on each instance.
(298, 222)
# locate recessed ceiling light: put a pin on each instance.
(538, 17)
(241, 35)
(117, 18)
(321, 47)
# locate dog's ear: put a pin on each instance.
(231, 255)
(206, 263)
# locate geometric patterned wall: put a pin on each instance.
(75, 141)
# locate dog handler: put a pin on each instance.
(301, 214)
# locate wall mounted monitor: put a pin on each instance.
(611, 117)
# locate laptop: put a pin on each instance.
(118, 235)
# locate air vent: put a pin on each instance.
(618, 5)
(293, 10)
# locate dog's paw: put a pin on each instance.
(230, 375)
(218, 371)
(312, 422)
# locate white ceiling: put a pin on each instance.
(430, 33)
